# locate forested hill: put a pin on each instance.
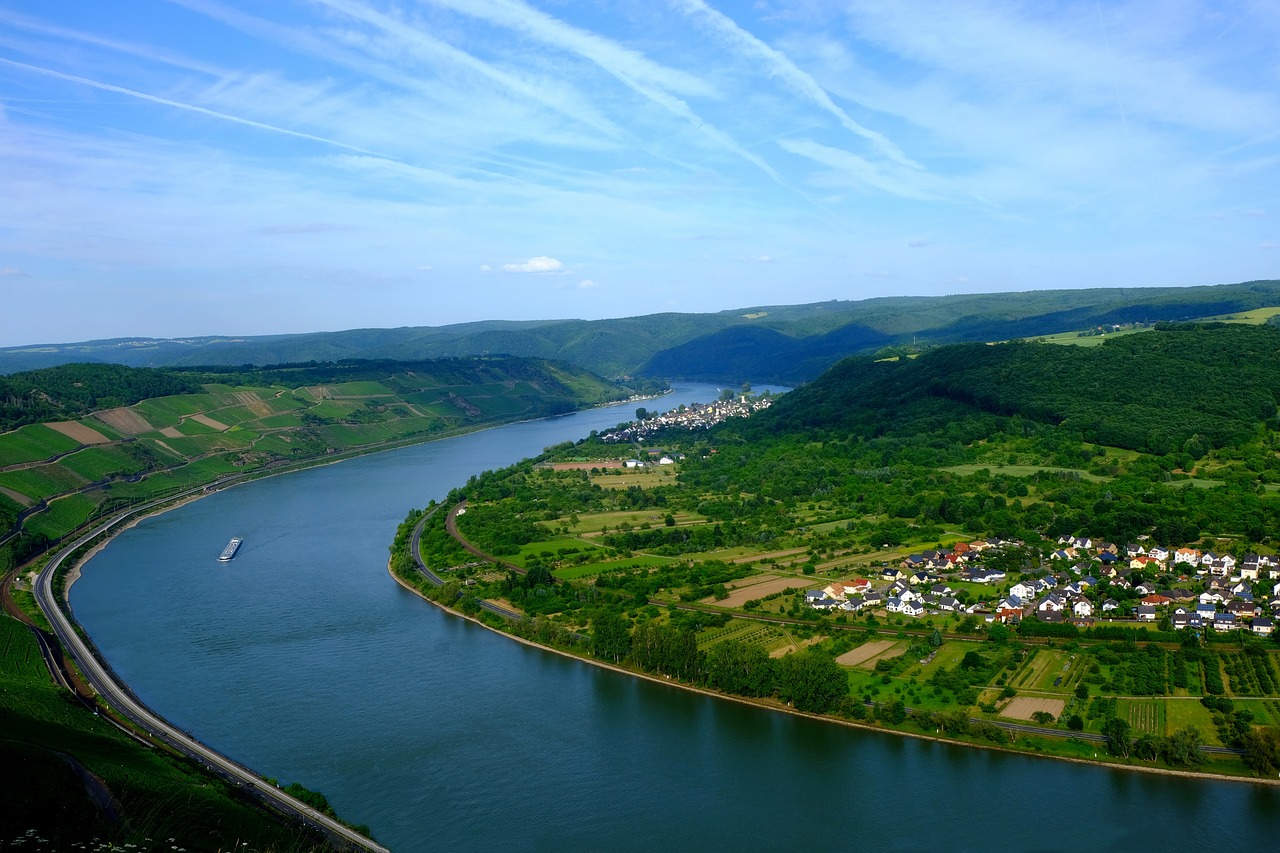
(773, 343)
(72, 391)
(1174, 388)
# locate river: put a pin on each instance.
(303, 660)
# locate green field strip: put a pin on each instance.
(282, 421)
(32, 443)
(167, 411)
(336, 409)
(360, 388)
(192, 427)
(63, 514)
(94, 463)
(44, 481)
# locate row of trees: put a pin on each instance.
(809, 681)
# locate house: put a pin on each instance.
(941, 589)
(1189, 556)
(1110, 605)
(836, 590)
(1242, 609)
(891, 574)
(1146, 613)
(912, 608)
(819, 600)
(1224, 622)
(1156, 599)
(948, 603)
(1008, 614)
(1190, 621)
(1082, 607)
(1205, 610)
(1054, 602)
(1022, 590)
(852, 604)
(1262, 626)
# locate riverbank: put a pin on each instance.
(773, 705)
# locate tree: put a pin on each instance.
(742, 668)
(610, 637)
(935, 639)
(811, 681)
(1182, 748)
(1117, 734)
(1075, 722)
(1082, 691)
(1262, 751)
(997, 633)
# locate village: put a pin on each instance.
(1084, 583)
(695, 416)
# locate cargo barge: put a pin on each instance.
(230, 551)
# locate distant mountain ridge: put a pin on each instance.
(787, 343)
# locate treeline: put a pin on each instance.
(808, 681)
(74, 390)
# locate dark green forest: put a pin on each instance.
(73, 390)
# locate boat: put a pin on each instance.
(230, 551)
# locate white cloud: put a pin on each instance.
(424, 268)
(485, 268)
(1269, 244)
(587, 284)
(765, 259)
(540, 264)
(8, 271)
(917, 242)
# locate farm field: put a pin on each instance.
(742, 595)
(1025, 707)
(866, 655)
(33, 443)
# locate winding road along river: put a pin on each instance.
(302, 659)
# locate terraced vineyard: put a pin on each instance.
(64, 473)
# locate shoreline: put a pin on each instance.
(854, 724)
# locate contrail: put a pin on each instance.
(107, 87)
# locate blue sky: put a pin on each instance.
(193, 167)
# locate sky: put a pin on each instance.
(175, 168)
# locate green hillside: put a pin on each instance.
(779, 343)
(86, 439)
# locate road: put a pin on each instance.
(119, 698)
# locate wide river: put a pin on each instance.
(303, 660)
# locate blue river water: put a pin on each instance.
(302, 659)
